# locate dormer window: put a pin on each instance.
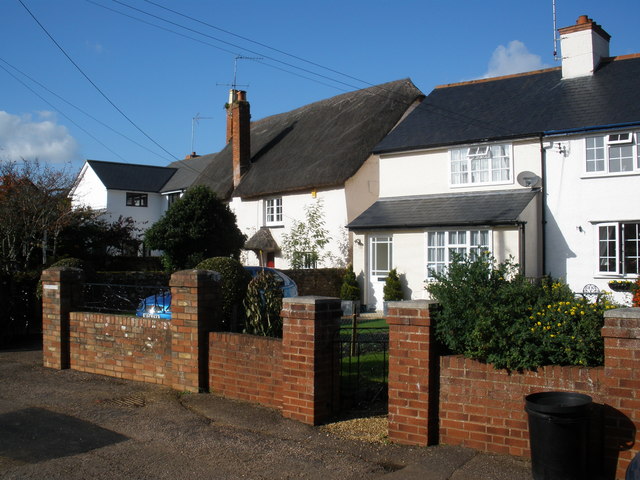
(613, 153)
(481, 164)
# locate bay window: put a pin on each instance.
(443, 245)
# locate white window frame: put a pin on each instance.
(449, 241)
(601, 147)
(273, 211)
(374, 241)
(466, 167)
(620, 246)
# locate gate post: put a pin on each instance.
(194, 311)
(308, 343)
(413, 397)
(61, 291)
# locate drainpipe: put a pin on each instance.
(543, 219)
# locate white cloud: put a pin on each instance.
(514, 58)
(23, 137)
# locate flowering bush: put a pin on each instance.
(636, 294)
(568, 332)
(490, 312)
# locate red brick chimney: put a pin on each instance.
(238, 133)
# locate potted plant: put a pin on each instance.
(392, 291)
(350, 293)
(621, 285)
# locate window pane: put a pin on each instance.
(631, 235)
(621, 158)
(607, 248)
(595, 154)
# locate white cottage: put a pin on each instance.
(542, 167)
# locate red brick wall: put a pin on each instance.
(246, 367)
(483, 408)
(119, 346)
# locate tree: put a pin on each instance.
(34, 208)
(303, 245)
(197, 226)
(91, 235)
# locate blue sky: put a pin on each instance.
(161, 80)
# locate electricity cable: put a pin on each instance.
(93, 83)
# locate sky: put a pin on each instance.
(145, 81)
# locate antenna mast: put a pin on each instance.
(555, 33)
(194, 121)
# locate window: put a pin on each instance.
(172, 198)
(136, 199)
(481, 164)
(441, 245)
(273, 211)
(613, 153)
(619, 248)
(381, 260)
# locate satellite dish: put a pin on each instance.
(528, 179)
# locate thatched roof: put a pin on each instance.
(262, 240)
(319, 145)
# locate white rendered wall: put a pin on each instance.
(576, 202)
(427, 172)
(89, 191)
(250, 218)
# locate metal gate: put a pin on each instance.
(362, 348)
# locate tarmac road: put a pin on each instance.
(72, 425)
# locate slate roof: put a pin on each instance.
(521, 106)
(501, 207)
(187, 171)
(127, 176)
(319, 145)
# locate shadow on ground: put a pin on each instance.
(34, 435)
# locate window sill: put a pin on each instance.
(590, 175)
(279, 225)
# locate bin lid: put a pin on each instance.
(562, 403)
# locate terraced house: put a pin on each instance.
(543, 167)
(270, 170)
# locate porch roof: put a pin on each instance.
(502, 207)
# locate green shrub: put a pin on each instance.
(392, 290)
(263, 304)
(490, 312)
(350, 289)
(233, 286)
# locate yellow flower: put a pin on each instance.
(559, 324)
(539, 323)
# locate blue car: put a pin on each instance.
(159, 305)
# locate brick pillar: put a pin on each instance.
(194, 296)
(309, 357)
(413, 397)
(61, 291)
(621, 334)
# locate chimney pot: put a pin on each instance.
(582, 19)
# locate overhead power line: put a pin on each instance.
(93, 83)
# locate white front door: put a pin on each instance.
(380, 247)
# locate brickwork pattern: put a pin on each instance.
(120, 346)
(309, 357)
(411, 414)
(483, 408)
(246, 367)
(60, 291)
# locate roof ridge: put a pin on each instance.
(128, 164)
(503, 77)
(406, 80)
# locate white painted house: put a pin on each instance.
(123, 189)
(274, 168)
(542, 166)
(271, 170)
